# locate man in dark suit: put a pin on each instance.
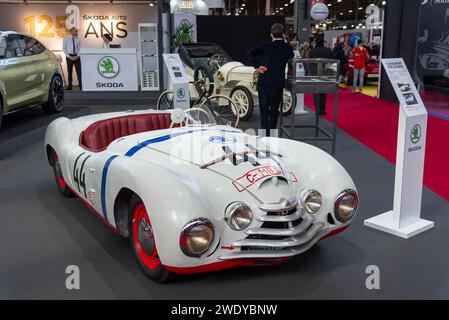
(270, 59)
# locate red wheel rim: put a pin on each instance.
(143, 238)
(59, 176)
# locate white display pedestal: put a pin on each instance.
(404, 220)
(300, 107)
(386, 222)
(109, 69)
(178, 81)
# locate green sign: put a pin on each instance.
(415, 134)
(108, 67)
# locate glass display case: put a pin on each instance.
(312, 72)
(148, 57)
(317, 76)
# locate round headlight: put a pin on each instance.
(239, 216)
(346, 205)
(196, 237)
(311, 200)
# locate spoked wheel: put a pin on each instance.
(203, 81)
(143, 242)
(243, 98)
(60, 182)
(165, 100)
(287, 102)
(55, 102)
(224, 110)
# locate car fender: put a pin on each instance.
(171, 199)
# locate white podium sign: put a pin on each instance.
(299, 105)
(404, 220)
(109, 69)
(178, 80)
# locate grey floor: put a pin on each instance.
(42, 233)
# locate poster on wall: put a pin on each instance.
(50, 23)
(196, 7)
(432, 65)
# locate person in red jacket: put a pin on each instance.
(360, 56)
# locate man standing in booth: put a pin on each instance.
(270, 59)
(71, 47)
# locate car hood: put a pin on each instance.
(243, 159)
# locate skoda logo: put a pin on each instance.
(222, 140)
(181, 93)
(108, 67)
(415, 134)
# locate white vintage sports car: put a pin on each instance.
(194, 196)
(222, 75)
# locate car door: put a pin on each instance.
(13, 72)
(19, 79)
(38, 62)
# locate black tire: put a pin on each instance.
(156, 273)
(238, 98)
(201, 73)
(55, 102)
(63, 188)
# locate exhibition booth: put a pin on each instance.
(174, 150)
(133, 28)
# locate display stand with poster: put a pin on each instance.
(404, 220)
(177, 80)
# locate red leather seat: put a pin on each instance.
(100, 134)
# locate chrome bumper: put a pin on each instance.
(286, 231)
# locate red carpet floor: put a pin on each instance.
(374, 123)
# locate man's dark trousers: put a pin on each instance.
(70, 65)
(269, 101)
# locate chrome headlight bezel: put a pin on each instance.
(186, 234)
(231, 215)
(345, 218)
(304, 198)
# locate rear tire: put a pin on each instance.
(142, 241)
(287, 102)
(55, 102)
(60, 182)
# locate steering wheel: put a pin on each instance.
(183, 120)
(216, 60)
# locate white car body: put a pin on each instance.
(175, 188)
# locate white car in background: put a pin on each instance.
(194, 196)
(221, 75)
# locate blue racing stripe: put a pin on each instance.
(103, 185)
(133, 151)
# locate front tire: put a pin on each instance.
(243, 98)
(55, 102)
(143, 242)
(60, 182)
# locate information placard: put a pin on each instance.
(404, 220)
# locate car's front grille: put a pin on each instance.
(285, 231)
